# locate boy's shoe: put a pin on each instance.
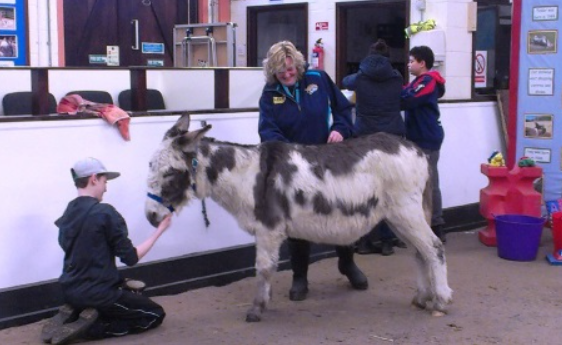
(66, 313)
(136, 286)
(73, 330)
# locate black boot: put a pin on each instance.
(365, 246)
(299, 250)
(387, 249)
(347, 267)
(438, 231)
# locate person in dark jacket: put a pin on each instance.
(377, 89)
(305, 107)
(92, 234)
(423, 124)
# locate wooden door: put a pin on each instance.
(142, 29)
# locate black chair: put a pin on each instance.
(94, 96)
(154, 100)
(20, 103)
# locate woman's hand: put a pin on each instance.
(335, 137)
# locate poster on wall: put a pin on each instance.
(13, 34)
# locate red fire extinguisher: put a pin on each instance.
(318, 55)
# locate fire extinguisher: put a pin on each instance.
(318, 55)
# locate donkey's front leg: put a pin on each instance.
(268, 243)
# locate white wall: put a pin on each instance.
(13, 80)
(37, 185)
(450, 15)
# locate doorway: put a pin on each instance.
(142, 29)
(359, 24)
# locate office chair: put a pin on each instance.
(94, 96)
(20, 103)
(154, 100)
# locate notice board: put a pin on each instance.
(13, 33)
(539, 92)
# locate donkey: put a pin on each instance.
(333, 193)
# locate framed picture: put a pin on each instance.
(542, 41)
(545, 13)
(8, 47)
(7, 18)
(541, 82)
(538, 126)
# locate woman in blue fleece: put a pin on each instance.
(423, 126)
(305, 107)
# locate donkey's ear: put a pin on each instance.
(188, 141)
(183, 123)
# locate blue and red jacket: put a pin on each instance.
(307, 114)
(419, 100)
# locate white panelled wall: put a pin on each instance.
(38, 183)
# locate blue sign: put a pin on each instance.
(152, 48)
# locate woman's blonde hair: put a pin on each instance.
(275, 60)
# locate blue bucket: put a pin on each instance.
(518, 236)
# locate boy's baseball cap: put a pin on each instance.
(90, 166)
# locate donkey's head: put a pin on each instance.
(171, 171)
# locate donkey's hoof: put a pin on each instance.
(251, 317)
(438, 313)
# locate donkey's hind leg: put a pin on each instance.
(411, 225)
(268, 243)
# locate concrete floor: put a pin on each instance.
(496, 301)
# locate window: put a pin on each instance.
(492, 47)
(268, 25)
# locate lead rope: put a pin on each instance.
(194, 164)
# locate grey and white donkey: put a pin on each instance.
(333, 193)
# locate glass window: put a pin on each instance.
(492, 47)
(268, 25)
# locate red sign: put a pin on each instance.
(321, 26)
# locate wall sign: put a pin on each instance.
(322, 26)
(155, 63)
(152, 48)
(113, 55)
(545, 13)
(480, 69)
(541, 81)
(537, 154)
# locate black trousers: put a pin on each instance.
(132, 313)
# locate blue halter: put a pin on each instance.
(194, 164)
(159, 200)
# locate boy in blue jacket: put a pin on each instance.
(423, 127)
